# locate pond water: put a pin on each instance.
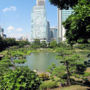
(41, 61)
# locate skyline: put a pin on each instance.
(15, 16)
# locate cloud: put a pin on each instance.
(19, 29)
(11, 8)
(10, 28)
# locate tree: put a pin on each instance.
(22, 43)
(64, 4)
(3, 44)
(20, 79)
(53, 44)
(69, 61)
(36, 43)
(43, 44)
(11, 42)
(78, 25)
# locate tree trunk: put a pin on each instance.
(68, 73)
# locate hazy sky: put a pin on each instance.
(15, 16)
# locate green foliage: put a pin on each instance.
(10, 41)
(77, 24)
(83, 46)
(80, 69)
(20, 79)
(43, 44)
(48, 84)
(23, 43)
(53, 44)
(44, 76)
(70, 63)
(36, 44)
(63, 45)
(20, 61)
(64, 4)
(58, 72)
(4, 65)
(86, 74)
(5, 43)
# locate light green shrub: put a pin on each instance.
(44, 76)
(48, 84)
(20, 79)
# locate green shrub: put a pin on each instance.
(20, 79)
(44, 76)
(83, 46)
(48, 84)
(20, 61)
(87, 74)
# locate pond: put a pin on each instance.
(41, 61)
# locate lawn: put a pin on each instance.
(73, 87)
(88, 70)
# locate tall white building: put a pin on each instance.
(1, 32)
(40, 2)
(39, 22)
(62, 16)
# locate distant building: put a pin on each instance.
(40, 2)
(22, 39)
(54, 33)
(48, 32)
(2, 33)
(39, 22)
(62, 16)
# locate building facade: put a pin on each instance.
(39, 22)
(62, 16)
(48, 32)
(1, 32)
(54, 33)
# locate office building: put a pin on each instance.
(48, 32)
(39, 22)
(54, 33)
(62, 16)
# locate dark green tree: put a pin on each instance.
(64, 4)
(69, 65)
(78, 25)
(43, 44)
(22, 43)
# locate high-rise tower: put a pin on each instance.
(62, 16)
(39, 21)
(40, 2)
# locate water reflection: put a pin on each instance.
(41, 61)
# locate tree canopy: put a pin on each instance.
(64, 4)
(78, 25)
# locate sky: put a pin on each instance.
(15, 16)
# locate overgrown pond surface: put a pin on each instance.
(41, 61)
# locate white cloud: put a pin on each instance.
(10, 28)
(19, 29)
(11, 8)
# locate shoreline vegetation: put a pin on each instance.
(50, 79)
(73, 68)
